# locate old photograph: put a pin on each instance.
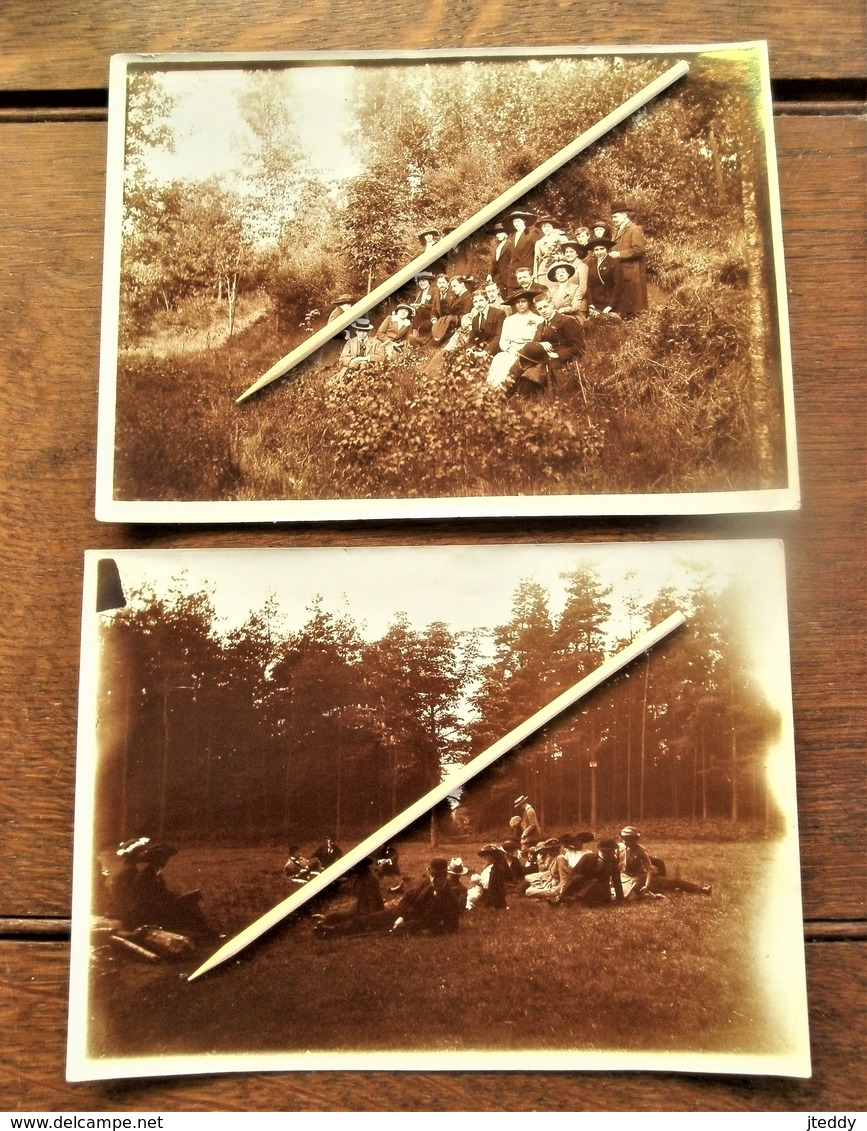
(613, 342)
(619, 890)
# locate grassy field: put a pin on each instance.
(659, 975)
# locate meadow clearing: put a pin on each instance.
(659, 975)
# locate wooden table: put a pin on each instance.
(53, 74)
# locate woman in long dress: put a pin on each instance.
(519, 328)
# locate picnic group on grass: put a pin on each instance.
(560, 871)
(374, 896)
(525, 322)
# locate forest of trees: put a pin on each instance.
(433, 144)
(263, 734)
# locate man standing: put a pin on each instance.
(628, 246)
(522, 246)
(531, 833)
(499, 269)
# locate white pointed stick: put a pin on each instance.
(458, 778)
(436, 251)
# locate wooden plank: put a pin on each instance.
(53, 45)
(33, 980)
(50, 242)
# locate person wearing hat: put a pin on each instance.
(428, 236)
(456, 870)
(595, 879)
(547, 247)
(528, 376)
(500, 265)
(391, 332)
(522, 245)
(604, 280)
(516, 875)
(629, 247)
(643, 875)
(488, 887)
(154, 904)
(362, 886)
(560, 335)
(431, 904)
(518, 329)
(121, 901)
(434, 904)
(545, 882)
(421, 304)
(564, 288)
(531, 832)
(356, 352)
(601, 231)
(341, 304)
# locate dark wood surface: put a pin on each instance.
(52, 131)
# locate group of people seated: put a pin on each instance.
(525, 321)
(559, 870)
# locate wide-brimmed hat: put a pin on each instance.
(533, 352)
(519, 214)
(158, 853)
(510, 844)
(548, 219)
(570, 267)
(552, 842)
(524, 796)
(584, 837)
(456, 867)
(630, 830)
(512, 299)
(490, 850)
(133, 849)
(343, 298)
(428, 231)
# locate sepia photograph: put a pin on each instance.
(388, 285)
(456, 807)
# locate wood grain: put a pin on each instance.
(54, 46)
(51, 206)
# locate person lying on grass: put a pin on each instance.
(644, 877)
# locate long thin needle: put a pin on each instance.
(446, 788)
(485, 215)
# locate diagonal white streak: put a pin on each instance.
(485, 215)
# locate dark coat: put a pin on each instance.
(605, 283)
(500, 267)
(630, 244)
(485, 329)
(565, 334)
